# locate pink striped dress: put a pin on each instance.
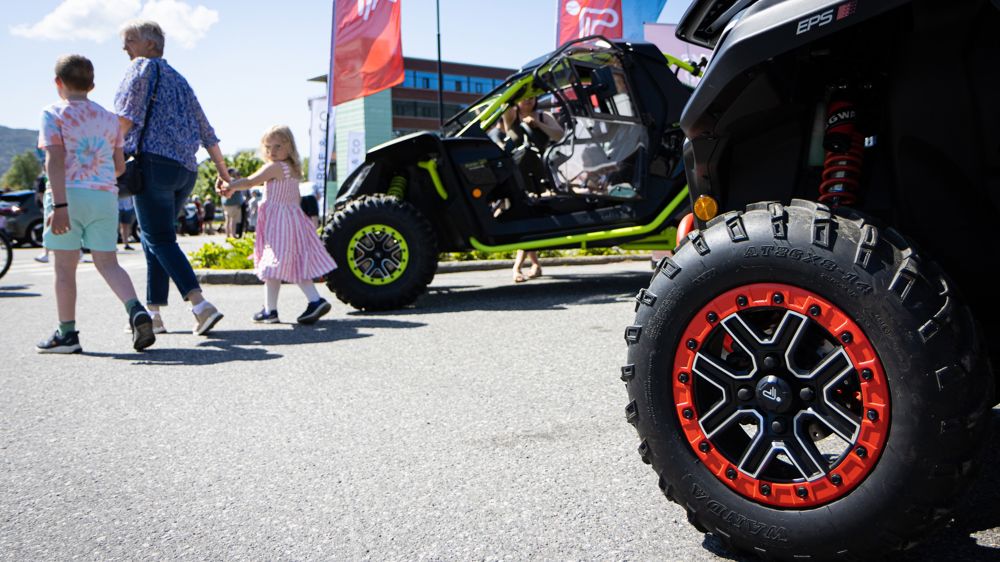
(287, 247)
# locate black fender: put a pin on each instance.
(384, 160)
(765, 30)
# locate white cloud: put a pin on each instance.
(180, 21)
(100, 20)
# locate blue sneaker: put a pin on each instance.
(70, 343)
(314, 311)
(266, 317)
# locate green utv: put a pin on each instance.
(614, 178)
(810, 373)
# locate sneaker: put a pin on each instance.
(42, 258)
(208, 318)
(142, 328)
(158, 327)
(314, 311)
(266, 317)
(127, 247)
(70, 343)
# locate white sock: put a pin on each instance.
(310, 290)
(271, 287)
(199, 307)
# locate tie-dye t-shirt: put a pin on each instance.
(90, 134)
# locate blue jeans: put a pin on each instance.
(167, 186)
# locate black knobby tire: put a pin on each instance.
(417, 238)
(935, 370)
(6, 253)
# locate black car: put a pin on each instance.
(614, 178)
(26, 225)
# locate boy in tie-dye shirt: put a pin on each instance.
(83, 156)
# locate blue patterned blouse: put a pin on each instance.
(177, 124)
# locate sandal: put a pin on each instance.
(519, 277)
(535, 272)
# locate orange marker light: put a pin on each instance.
(705, 208)
(477, 193)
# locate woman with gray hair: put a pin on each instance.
(175, 128)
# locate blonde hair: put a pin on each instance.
(147, 31)
(285, 135)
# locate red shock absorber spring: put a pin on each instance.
(844, 146)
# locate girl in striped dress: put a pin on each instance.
(287, 247)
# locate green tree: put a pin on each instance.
(305, 169)
(24, 169)
(246, 162)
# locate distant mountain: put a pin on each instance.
(14, 142)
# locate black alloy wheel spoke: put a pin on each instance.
(787, 335)
(757, 455)
(803, 453)
(743, 335)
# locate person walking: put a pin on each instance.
(41, 184)
(126, 218)
(83, 155)
(232, 208)
(286, 247)
(175, 128)
(208, 220)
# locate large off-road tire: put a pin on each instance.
(806, 386)
(385, 251)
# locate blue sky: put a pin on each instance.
(247, 61)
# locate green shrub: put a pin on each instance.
(215, 256)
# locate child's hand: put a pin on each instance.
(58, 221)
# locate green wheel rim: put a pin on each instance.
(378, 254)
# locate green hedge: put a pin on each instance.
(238, 254)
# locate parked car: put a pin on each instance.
(25, 226)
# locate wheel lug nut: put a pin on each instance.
(801, 492)
(770, 362)
(778, 298)
(872, 415)
(836, 479)
(688, 413)
(846, 337)
(807, 394)
(861, 452)
(814, 310)
(731, 473)
(691, 344)
(866, 374)
(744, 394)
(777, 426)
(742, 300)
(765, 489)
(704, 447)
(712, 317)
(684, 378)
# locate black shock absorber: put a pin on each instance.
(844, 146)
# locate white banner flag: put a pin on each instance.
(356, 150)
(321, 141)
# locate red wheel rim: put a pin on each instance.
(781, 395)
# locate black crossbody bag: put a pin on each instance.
(130, 182)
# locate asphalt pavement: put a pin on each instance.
(486, 422)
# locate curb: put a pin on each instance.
(247, 277)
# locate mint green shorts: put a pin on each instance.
(93, 221)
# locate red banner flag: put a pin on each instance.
(367, 49)
(580, 18)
